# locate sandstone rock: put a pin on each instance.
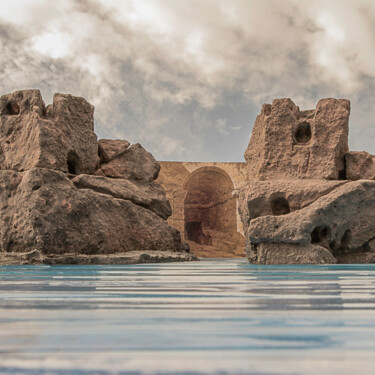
(341, 221)
(145, 194)
(131, 257)
(282, 253)
(287, 143)
(360, 165)
(60, 137)
(133, 163)
(260, 198)
(111, 148)
(43, 210)
(371, 245)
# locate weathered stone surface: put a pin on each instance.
(43, 210)
(145, 194)
(342, 221)
(60, 137)
(282, 253)
(109, 149)
(287, 143)
(371, 245)
(360, 165)
(260, 198)
(131, 257)
(133, 163)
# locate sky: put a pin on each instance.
(187, 78)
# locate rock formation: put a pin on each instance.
(307, 198)
(67, 198)
(288, 143)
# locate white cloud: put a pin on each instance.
(164, 71)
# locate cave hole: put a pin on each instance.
(280, 206)
(320, 235)
(73, 163)
(303, 132)
(12, 108)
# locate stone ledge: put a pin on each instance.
(131, 257)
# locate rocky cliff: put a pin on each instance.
(67, 198)
(307, 198)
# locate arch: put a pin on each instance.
(210, 213)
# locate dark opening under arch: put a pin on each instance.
(210, 211)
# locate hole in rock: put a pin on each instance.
(210, 213)
(320, 235)
(303, 132)
(258, 207)
(73, 163)
(280, 206)
(12, 108)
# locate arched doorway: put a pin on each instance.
(210, 215)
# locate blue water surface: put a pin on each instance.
(208, 317)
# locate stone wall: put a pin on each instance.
(204, 201)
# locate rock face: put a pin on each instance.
(148, 195)
(54, 210)
(287, 143)
(118, 160)
(342, 221)
(59, 137)
(296, 206)
(360, 165)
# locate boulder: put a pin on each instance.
(133, 163)
(43, 210)
(109, 149)
(360, 165)
(283, 253)
(59, 137)
(149, 195)
(342, 221)
(260, 198)
(130, 257)
(287, 143)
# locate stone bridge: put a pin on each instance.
(204, 204)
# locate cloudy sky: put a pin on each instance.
(186, 78)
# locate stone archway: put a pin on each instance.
(210, 217)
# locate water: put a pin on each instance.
(213, 316)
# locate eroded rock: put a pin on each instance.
(111, 148)
(284, 253)
(149, 195)
(261, 198)
(43, 210)
(287, 143)
(133, 163)
(342, 221)
(59, 137)
(360, 165)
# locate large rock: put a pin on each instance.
(282, 253)
(287, 143)
(260, 198)
(59, 137)
(145, 194)
(342, 221)
(121, 161)
(43, 210)
(110, 149)
(360, 165)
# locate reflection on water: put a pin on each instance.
(213, 316)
